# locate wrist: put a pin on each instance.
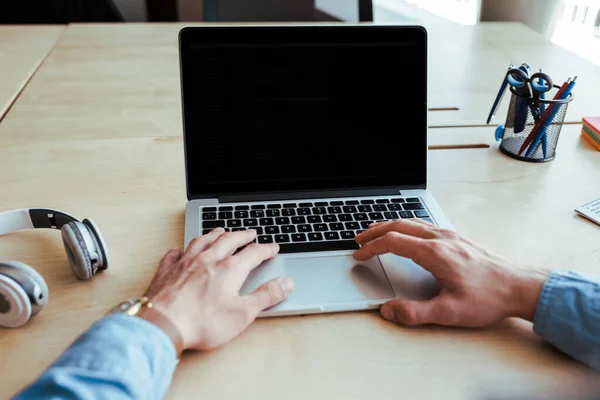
(526, 290)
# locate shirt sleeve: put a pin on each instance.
(119, 357)
(568, 315)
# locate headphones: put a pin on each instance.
(23, 291)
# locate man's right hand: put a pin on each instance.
(477, 286)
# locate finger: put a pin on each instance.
(423, 222)
(201, 243)
(170, 258)
(406, 227)
(269, 294)
(391, 242)
(229, 242)
(411, 312)
(252, 256)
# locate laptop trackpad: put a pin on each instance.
(324, 280)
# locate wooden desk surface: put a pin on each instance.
(22, 50)
(105, 143)
(134, 189)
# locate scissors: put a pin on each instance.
(534, 86)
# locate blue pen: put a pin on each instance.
(499, 96)
(550, 118)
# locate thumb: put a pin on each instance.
(270, 293)
(411, 312)
(170, 258)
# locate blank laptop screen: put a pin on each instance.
(296, 108)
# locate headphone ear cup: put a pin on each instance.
(24, 298)
(77, 250)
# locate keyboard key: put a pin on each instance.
(379, 207)
(336, 203)
(304, 211)
(241, 208)
(329, 218)
(298, 237)
(213, 224)
(289, 205)
(226, 208)
(265, 239)
(347, 235)
(365, 224)
(368, 201)
(282, 238)
(288, 212)
(257, 213)
(315, 236)
(288, 229)
(361, 217)
(331, 236)
(364, 208)
(251, 222)
(304, 228)
(413, 200)
(321, 204)
(257, 207)
(282, 220)
(259, 230)
(413, 206)
(345, 217)
(427, 219)
(241, 214)
(336, 226)
(394, 207)
(225, 215)
(352, 225)
(421, 214)
(205, 231)
(349, 209)
(317, 246)
(271, 230)
(298, 220)
(406, 214)
(359, 232)
(237, 229)
(319, 210)
(334, 210)
(352, 202)
(273, 213)
(375, 215)
(271, 206)
(391, 215)
(209, 209)
(234, 223)
(397, 200)
(305, 205)
(266, 221)
(209, 215)
(382, 201)
(321, 227)
(314, 219)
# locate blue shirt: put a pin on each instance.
(122, 357)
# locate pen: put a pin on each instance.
(550, 115)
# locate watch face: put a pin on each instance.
(123, 307)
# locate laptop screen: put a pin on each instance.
(298, 108)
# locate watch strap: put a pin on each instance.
(149, 313)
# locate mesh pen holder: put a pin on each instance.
(521, 122)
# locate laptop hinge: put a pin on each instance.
(314, 194)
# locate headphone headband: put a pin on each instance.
(33, 218)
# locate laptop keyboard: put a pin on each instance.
(308, 226)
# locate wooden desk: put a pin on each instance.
(22, 50)
(108, 146)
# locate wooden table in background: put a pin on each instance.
(98, 134)
(22, 50)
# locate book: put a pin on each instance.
(593, 123)
(591, 137)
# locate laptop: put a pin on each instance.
(308, 134)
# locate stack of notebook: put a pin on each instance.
(591, 130)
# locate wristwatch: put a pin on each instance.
(143, 308)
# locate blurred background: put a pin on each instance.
(573, 24)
